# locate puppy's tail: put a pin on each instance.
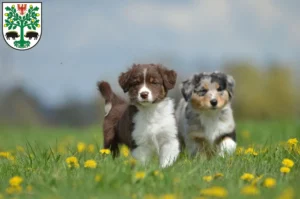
(111, 99)
(106, 91)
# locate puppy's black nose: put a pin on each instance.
(213, 102)
(144, 95)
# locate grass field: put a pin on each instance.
(33, 165)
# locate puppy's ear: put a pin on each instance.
(187, 88)
(124, 79)
(230, 85)
(169, 77)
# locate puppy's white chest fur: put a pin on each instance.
(212, 126)
(155, 131)
(155, 123)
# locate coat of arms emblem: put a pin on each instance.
(22, 24)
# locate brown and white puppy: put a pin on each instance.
(204, 115)
(147, 123)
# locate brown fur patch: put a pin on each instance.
(200, 102)
(151, 80)
(157, 76)
(223, 99)
(203, 102)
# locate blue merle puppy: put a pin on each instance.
(204, 114)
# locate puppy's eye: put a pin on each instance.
(220, 89)
(135, 82)
(153, 81)
(203, 91)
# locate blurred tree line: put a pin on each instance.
(270, 93)
(261, 94)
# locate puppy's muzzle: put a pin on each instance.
(214, 102)
(144, 95)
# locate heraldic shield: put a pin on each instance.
(22, 24)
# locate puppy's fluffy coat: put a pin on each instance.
(204, 114)
(147, 123)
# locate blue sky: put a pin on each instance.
(86, 41)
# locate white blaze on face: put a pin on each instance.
(145, 89)
(213, 95)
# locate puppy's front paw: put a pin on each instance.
(142, 154)
(169, 153)
(227, 146)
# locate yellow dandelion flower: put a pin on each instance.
(218, 175)
(13, 6)
(37, 14)
(29, 188)
(15, 181)
(72, 162)
(4, 154)
(38, 25)
(6, 14)
(297, 149)
(292, 142)
(216, 191)
(105, 151)
(207, 178)
(91, 148)
(250, 190)
(247, 177)
(32, 20)
(251, 151)
(7, 155)
(125, 151)
(131, 162)
(157, 173)
(5, 25)
(90, 164)
(98, 178)
(288, 193)
(288, 163)
(285, 169)
(149, 196)
(269, 182)
(81, 147)
(140, 175)
(31, 6)
(14, 189)
(239, 150)
(256, 180)
(168, 196)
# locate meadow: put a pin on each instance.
(38, 162)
